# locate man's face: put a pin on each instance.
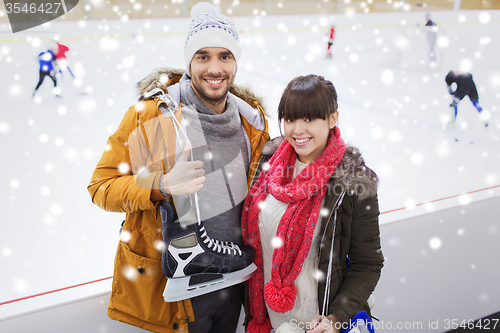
(213, 70)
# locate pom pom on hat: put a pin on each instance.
(203, 8)
(208, 28)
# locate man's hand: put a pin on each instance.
(186, 177)
(330, 324)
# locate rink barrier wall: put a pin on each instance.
(88, 10)
(58, 297)
(247, 31)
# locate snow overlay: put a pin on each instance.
(393, 105)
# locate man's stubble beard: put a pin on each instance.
(215, 99)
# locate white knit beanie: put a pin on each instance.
(208, 28)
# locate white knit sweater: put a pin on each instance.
(306, 303)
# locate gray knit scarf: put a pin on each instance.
(219, 142)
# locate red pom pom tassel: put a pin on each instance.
(280, 299)
(255, 327)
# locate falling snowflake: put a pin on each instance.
(159, 245)
(87, 105)
(130, 273)
(49, 220)
(465, 199)
(410, 203)
(394, 242)
(7, 252)
(417, 158)
(466, 65)
(324, 212)
(377, 132)
(395, 136)
(59, 141)
(62, 110)
(20, 286)
(71, 154)
(125, 236)
(276, 242)
(353, 57)
(14, 183)
(435, 243)
(128, 62)
(319, 275)
(15, 90)
(261, 205)
(484, 18)
(387, 77)
(49, 167)
(124, 168)
(56, 209)
(45, 191)
(4, 128)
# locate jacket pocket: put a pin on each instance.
(138, 285)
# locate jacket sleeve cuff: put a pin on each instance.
(156, 193)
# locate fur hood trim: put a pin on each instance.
(351, 174)
(163, 77)
(160, 78)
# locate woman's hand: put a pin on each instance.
(330, 324)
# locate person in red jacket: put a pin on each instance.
(61, 59)
(331, 37)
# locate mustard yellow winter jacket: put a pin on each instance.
(138, 281)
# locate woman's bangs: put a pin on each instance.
(305, 104)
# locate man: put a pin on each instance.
(61, 59)
(147, 162)
(431, 36)
(46, 61)
(465, 87)
(331, 38)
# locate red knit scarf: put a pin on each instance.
(304, 194)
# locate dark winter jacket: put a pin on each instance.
(465, 85)
(357, 241)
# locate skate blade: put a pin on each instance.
(179, 289)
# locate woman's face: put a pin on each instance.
(309, 136)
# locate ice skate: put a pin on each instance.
(195, 264)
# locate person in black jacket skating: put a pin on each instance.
(465, 87)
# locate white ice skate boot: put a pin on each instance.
(196, 264)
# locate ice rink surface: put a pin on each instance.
(393, 105)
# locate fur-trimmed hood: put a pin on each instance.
(163, 77)
(351, 173)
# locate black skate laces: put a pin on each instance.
(213, 244)
(216, 245)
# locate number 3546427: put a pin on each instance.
(33, 8)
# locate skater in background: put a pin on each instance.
(465, 87)
(431, 36)
(232, 129)
(292, 211)
(331, 37)
(46, 60)
(61, 59)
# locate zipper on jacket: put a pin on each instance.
(324, 231)
(335, 209)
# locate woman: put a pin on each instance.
(290, 217)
